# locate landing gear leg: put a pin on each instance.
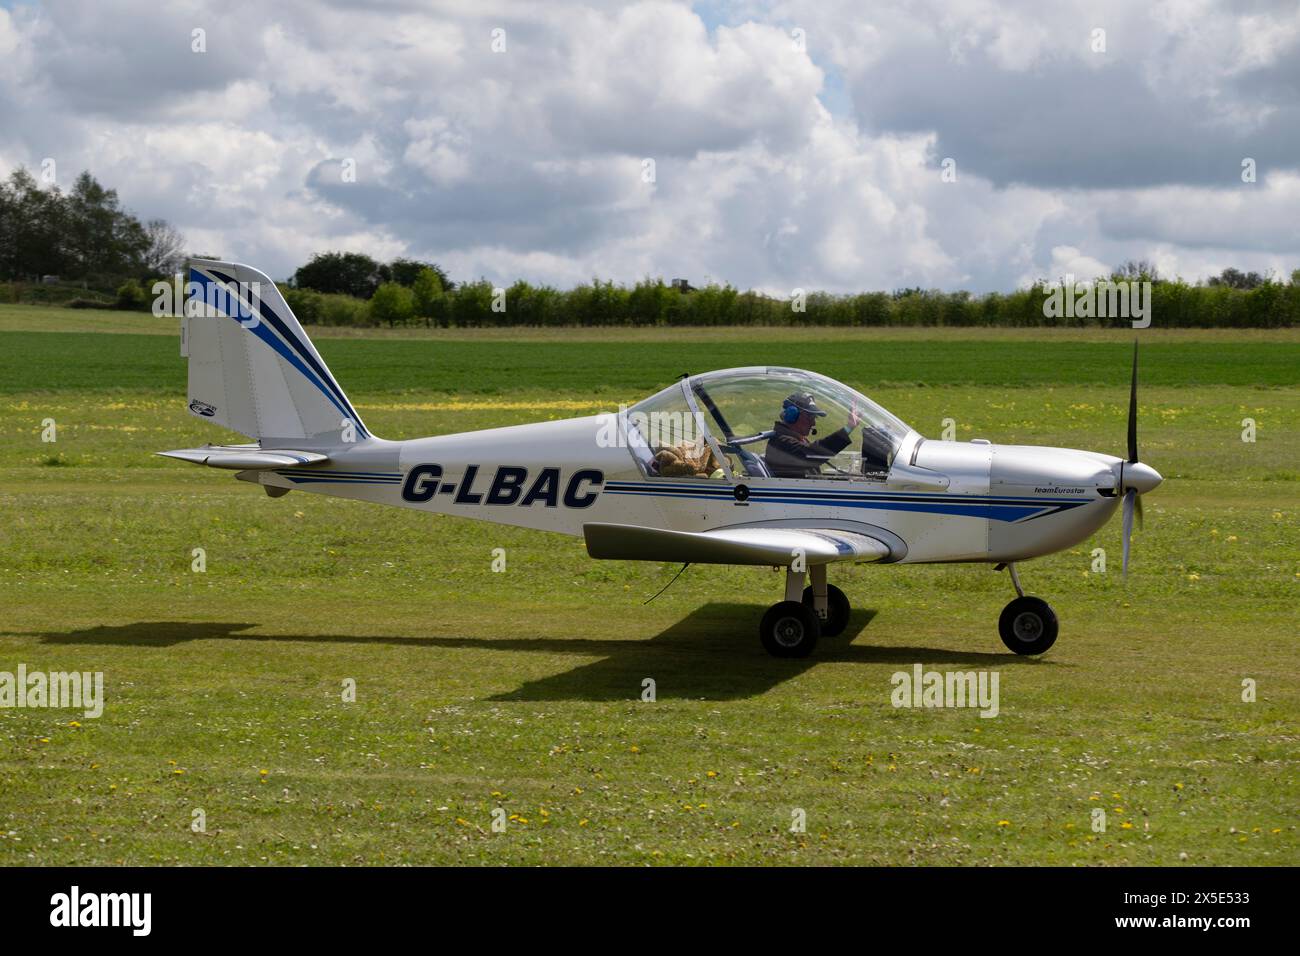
(1028, 625)
(790, 628)
(828, 601)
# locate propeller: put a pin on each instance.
(1129, 498)
(1135, 478)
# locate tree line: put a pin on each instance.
(81, 236)
(105, 256)
(419, 295)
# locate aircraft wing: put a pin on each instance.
(771, 546)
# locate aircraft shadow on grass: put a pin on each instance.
(711, 654)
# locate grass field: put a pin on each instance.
(521, 690)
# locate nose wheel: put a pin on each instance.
(1028, 625)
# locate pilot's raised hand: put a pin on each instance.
(854, 417)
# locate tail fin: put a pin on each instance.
(252, 368)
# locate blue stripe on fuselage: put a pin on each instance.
(321, 480)
(758, 491)
(997, 508)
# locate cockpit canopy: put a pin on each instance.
(709, 425)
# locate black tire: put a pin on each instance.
(790, 629)
(837, 610)
(1028, 625)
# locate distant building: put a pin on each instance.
(682, 285)
(49, 280)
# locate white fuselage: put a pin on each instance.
(1001, 503)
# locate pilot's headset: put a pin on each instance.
(790, 413)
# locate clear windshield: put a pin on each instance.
(780, 422)
(668, 437)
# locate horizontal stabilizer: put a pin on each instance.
(242, 457)
(765, 545)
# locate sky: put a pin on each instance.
(793, 144)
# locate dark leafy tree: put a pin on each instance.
(405, 271)
(103, 239)
(1236, 279)
(349, 273)
(33, 229)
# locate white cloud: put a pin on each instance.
(1068, 261)
(440, 151)
(530, 162)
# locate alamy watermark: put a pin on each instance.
(656, 429)
(237, 300)
(130, 910)
(78, 690)
(1100, 299)
(922, 688)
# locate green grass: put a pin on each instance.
(495, 366)
(605, 361)
(520, 690)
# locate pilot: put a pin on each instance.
(790, 452)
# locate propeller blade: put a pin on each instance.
(1130, 500)
(1133, 409)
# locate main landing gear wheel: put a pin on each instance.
(1028, 625)
(790, 629)
(837, 610)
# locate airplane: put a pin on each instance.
(719, 467)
